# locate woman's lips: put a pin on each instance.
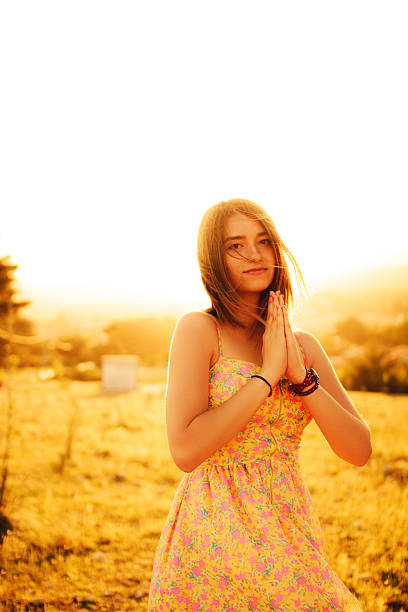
(255, 271)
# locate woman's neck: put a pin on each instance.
(248, 316)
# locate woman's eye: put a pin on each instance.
(234, 246)
(266, 241)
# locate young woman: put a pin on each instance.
(242, 533)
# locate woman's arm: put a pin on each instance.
(334, 412)
(195, 432)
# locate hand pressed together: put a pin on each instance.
(280, 350)
(274, 353)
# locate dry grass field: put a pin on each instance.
(91, 481)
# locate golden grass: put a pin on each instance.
(85, 538)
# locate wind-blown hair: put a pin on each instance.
(226, 304)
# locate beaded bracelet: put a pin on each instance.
(299, 388)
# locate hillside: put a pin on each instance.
(377, 296)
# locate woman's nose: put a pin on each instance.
(254, 253)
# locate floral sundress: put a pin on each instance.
(242, 533)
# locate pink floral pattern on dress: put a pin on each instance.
(242, 533)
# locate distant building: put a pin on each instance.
(119, 372)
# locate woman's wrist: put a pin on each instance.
(309, 384)
(299, 376)
(266, 382)
(271, 378)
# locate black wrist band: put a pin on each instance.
(264, 379)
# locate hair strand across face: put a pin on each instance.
(226, 303)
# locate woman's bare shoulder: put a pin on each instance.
(305, 336)
(198, 323)
(195, 332)
(310, 344)
(196, 318)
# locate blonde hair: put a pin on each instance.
(226, 304)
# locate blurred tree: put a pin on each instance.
(10, 321)
(72, 349)
(365, 371)
(147, 337)
(395, 334)
(352, 329)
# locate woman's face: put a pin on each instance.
(249, 254)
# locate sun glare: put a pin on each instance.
(110, 164)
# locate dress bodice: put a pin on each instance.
(275, 427)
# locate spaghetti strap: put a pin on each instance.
(302, 350)
(218, 331)
(219, 338)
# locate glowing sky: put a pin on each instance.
(121, 122)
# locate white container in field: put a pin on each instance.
(119, 372)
